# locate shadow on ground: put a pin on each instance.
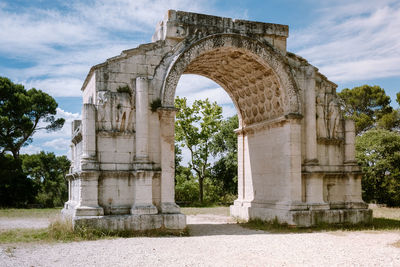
(221, 229)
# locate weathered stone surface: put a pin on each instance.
(295, 151)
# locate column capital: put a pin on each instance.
(166, 112)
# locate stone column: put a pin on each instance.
(349, 142)
(295, 158)
(167, 142)
(310, 120)
(72, 166)
(240, 157)
(88, 195)
(142, 119)
(143, 197)
(353, 194)
(88, 160)
(143, 184)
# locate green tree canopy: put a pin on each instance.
(15, 189)
(47, 171)
(195, 128)
(20, 113)
(366, 105)
(378, 153)
(224, 145)
(398, 98)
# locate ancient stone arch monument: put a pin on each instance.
(295, 150)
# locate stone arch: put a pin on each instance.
(254, 74)
(299, 170)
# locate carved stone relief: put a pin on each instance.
(238, 62)
(328, 114)
(114, 112)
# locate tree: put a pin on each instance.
(195, 127)
(378, 153)
(224, 145)
(366, 105)
(390, 120)
(398, 98)
(15, 189)
(20, 113)
(47, 171)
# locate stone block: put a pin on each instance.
(174, 221)
(139, 209)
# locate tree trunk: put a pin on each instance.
(201, 190)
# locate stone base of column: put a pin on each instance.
(170, 208)
(132, 222)
(300, 215)
(82, 211)
(143, 209)
(89, 164)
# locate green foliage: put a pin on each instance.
(224, 171)
(390, 120)
(398, 98)
(124, 89)
(187, 188)
(20, 113)
(378, 153)
(15, 189)
(195, 127)
(366, 105)
(47, 171)
(155, 105)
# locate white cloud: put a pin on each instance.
(58, 144)
(195, 87)
(353, 40)
(59, 46)
(64, 133)
(57, 87)
(138, 15)
(30, 149)
(57, 141)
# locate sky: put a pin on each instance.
(51, 44)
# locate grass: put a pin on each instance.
(389, 213)
(29, 213)
(61, 230)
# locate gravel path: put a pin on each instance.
(215, 241)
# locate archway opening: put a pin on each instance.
(266, 164)
(205, 151)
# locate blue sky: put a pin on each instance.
(51, 45)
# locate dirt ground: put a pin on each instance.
(216, 240)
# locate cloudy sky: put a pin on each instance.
(51, 44)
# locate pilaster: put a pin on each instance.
(349, 145)
(143, 196)
(88, 160)
(310, 121)
(167, 136)
(88, 204)
(142, 119)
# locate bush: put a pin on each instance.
(378, 153)
(187, 191)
